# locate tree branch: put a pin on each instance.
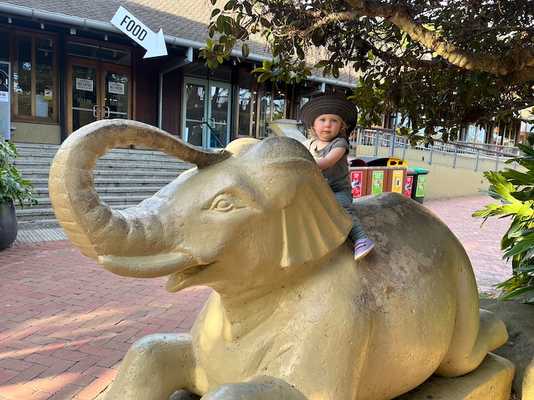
(518, 64)
(334, 17)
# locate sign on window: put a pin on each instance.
(116, 87)
(84, 84)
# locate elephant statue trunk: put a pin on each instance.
(89, 223)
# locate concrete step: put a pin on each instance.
(29, 165)
(145, 190)
(110, 156)
(33, 174)
(46, 213)
(123, 178)
(100, 182)
(130, 200)
(37, 224)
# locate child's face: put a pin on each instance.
(327, 127)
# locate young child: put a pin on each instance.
(329, 119)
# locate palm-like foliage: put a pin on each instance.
(515, 192)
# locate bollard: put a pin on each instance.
(478, 157)
(455, 156)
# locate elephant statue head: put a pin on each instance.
(254, 206)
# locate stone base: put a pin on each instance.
(492, 380)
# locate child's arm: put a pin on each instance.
(331, 158)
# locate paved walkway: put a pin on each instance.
(66, 323)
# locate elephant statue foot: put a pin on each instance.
(154, 368)
(259, 388)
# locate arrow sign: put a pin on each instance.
(154, 43)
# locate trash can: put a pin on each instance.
(419, 183)
(372, 176)
(395, 178)
(377, 180)
(358, 182)
(387, 162)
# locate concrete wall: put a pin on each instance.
(36, 133)
(443, 180)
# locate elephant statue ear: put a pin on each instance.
(313, 225)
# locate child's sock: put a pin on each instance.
(362, 247)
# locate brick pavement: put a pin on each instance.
(65, 323)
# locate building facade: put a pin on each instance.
(65, 66)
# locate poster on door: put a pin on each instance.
(356, 182)
(396, 180)
(84, 84)
(116, 87)
(377, 182)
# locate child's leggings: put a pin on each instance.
(356, 233)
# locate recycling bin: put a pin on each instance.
(418, 186)
(358, 182)
(387, 162)
(395, 178)
(375, 180)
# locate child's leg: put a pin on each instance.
(357, 232)
(361, 242)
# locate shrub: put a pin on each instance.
(13, 188)
(515, 192)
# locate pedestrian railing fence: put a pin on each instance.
(386, 143)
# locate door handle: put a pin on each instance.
(107, 112)
(95, 108)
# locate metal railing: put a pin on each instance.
(469, 154)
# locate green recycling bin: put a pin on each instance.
(419, 183)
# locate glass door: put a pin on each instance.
(116, 99)
(218, 132)
(83, 99)
(195, 112)
(96, 91)
(206, 110)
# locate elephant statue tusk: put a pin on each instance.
(147, 266)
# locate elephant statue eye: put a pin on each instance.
(222, 204)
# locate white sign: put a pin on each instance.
(128, 24)
(84, 84)
(4, 97)
(116, 87)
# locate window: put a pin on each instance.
(98, 52)
(35, 78)
(247, 105)
(272, 107)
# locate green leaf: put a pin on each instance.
(514, 293)
(215, 12)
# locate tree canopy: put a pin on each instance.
(442, 63)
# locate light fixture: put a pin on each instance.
(9, 20)
(42, 26)
(106, 38)
(73, 31)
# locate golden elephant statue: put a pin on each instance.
(292, 315)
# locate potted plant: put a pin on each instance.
(13, 189)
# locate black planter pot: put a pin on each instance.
(8, 225)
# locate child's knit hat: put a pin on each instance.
(329, 104)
